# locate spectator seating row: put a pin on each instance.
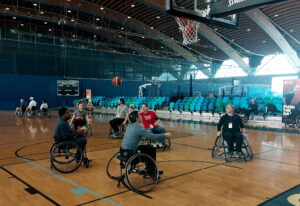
(193, 104)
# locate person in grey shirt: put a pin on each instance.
(80, 117)
(122, 111)
(134, 134)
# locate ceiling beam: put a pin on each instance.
(80, 24)
(210, 35)
(264, 22)
(121, 18)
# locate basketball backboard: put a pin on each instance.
(200, 10)
(222, 12)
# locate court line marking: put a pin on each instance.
(71, 182)
(29, 186)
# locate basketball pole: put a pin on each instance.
(191, 85)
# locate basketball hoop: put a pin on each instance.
(189, 30)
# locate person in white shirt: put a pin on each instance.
(32, 104)
(44, 106)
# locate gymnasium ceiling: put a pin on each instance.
(141, 27)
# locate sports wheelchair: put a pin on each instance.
(31, 112)
(134, 170)
(220, 149)
(66, 157)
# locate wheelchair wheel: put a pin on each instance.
(89, 129)
(246, 149)
(29, 113)
(297, 122)
(244, 117)
(166, 144)
(113, 167)
(219, 149)
(66, 157)
(141, 173)
(18, 113)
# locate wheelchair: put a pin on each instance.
(292, 120)
(66, 157)
(220, 149)
(91, 113)
(46, 113)
(133, 172)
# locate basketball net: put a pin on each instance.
(189, 30)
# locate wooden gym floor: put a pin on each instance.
(191, 176)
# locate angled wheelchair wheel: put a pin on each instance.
(166, 144)
(246, 149)
(244, 117)
(89, 130)
(29, 113)
(220, 148)
(141, 173)
(113, 167)
(66, 157)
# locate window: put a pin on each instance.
(229, 68)
(275, 64)
(166, 76)
(277, 84)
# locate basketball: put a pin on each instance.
(82, 131)
(116, 81)
(78, 118)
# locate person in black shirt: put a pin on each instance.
(231, 125)
(253, 108)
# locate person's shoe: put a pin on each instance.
(239, 154)
(230, 154)
(160, 145)
(160, 172)
(115, 135)
(154, 145)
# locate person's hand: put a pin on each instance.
(219, 133)
(124, 122)
(168, 134)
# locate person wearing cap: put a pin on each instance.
(32, 104)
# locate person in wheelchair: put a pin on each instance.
(151, 123)
(231, 125)
(120, 118)
(44, 107)
(31, 105)
(22, 107)
(63, 131)
(134, 134)
(253, 108)
(80, 117)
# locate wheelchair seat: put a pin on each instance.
(220, 149)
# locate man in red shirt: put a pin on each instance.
(151, 122)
